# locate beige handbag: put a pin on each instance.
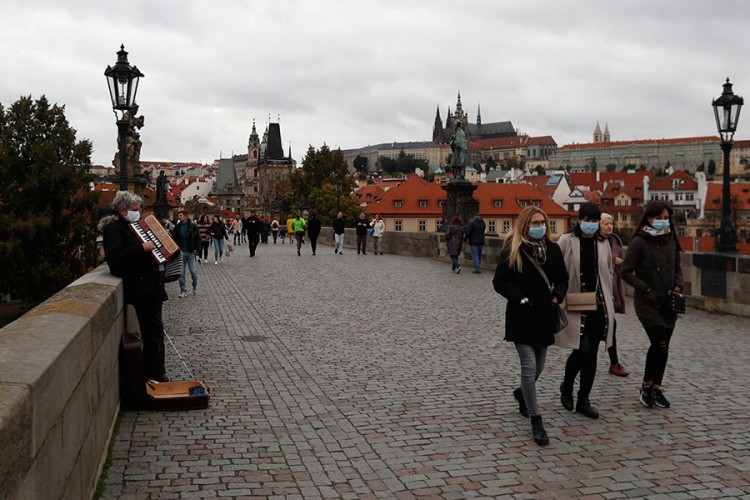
(581, 301)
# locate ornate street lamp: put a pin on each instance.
(338, 195)
(122, 79)
(727, 111)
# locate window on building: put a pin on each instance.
(422, 226)
(398, 225)
(439, 225)
(689, 196)
(441, 203)
(498, 203)
(491, 226)
(553, 226)
(398, 203)
(422, 203)
(506, 226)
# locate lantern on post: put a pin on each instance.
(122, 79)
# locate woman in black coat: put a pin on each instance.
(652, 268)
(313, 231)
(530, 313)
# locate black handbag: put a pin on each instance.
(676, 302)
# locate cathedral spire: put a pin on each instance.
(459, 108)
(598, 133)
(479, 115)
(606, 132)
(437, 129)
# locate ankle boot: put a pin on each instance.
(584, 407)
(537, 429)
(566, 397)
(518, 394)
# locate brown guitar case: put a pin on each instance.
(138, 394)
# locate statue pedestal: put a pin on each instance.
(460, 201)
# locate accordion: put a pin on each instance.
(150, 229)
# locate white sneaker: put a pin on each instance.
(216, 262)
(182, 295)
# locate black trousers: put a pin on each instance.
(583, 359)
(362, 243)
(658, 353)
(252, 241)
(152, 333)
(313, 243)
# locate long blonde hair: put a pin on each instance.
(519, 235)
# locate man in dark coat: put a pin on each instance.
(474, 234)
(188, 237)
(338, 233)
(254, 228)
(313, 230)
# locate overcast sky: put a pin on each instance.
(350, 73)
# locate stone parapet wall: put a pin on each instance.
(60, 385)
(694, 265)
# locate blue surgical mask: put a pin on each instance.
(134, 215)
(589, 227)
(538, 232)
(660, 224)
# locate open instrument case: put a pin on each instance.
(138, 393)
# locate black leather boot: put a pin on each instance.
(566, 397)
(518, 394)
(537, 429)
(584, 407)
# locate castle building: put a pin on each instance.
(441, 134)
(266, 162)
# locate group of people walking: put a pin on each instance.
(567, 293)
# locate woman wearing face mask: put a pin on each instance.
(530, 312)
(588, 258)
(652, 268)
(131, 260)
(607, 228)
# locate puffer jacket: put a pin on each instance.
(653, 263)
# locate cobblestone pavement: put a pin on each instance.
(348, 376)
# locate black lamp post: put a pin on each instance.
(123, 85)
(338, 195)
(727, 111)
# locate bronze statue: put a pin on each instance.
(162, 186)
(460, 149)
(133, 141)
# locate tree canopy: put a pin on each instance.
(314, 185)
(47, 211)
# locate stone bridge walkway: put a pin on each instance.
(347, 376)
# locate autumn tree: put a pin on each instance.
(47, 211)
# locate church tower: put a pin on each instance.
(250, 178)
(606, 132)
(459, 114)
(598, 133)
(437, 129)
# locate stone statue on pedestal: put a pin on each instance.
(460, 149)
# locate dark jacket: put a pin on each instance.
(218, 230)
(254, 226)
(653, 262)
(193, 241)
(338, 225)
(474, 232)
(313, 228)
(531, 323)
(454, 238)
(141, 277)
(362, 226)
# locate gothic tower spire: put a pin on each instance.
(437, 129)
(597, 133)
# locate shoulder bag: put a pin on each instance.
(561, 319)
(676, 301)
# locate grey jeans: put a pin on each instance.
(532, 364)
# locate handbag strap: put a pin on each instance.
(539, 268)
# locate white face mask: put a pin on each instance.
(134, 215)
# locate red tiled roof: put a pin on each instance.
(518, 141)
(540, 182)
(739, 191)
(592, 196)
(687, 183)
(589, 178)
(545, 140)
(512, 198)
